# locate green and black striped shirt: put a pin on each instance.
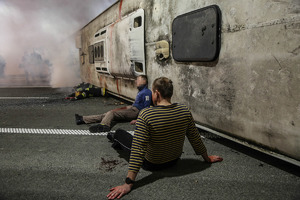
(159, 135)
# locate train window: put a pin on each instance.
(102, 51)
(138, 67)
(103, 32)
(99, 51)
(137, 22)
(96, 52)
(82, 56)
(91, 54)
(197, 35)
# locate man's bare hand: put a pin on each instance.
(133, 122)
(119, 191)
(214, 159)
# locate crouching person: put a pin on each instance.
(159, 136)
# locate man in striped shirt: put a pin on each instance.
(159, 136)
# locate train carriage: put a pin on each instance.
(234, 63)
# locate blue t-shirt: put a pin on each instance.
(143, 98)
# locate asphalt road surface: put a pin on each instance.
(45, 155)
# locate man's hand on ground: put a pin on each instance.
(133, 122)
(211, 159)
(119, 191)
(214, 159)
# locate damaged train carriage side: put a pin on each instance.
(234, 63)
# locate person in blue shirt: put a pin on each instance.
(127, 113)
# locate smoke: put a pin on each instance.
(37, 37)
(67, 57)
(37, 70)
(2, 66)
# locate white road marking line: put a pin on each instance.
(13, 98)
(53, 131)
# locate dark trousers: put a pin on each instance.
(123, 139)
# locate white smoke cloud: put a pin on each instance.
(2, 66)
(30, 25)
(37, 69)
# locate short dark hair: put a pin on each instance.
(144, 77)
(164, 86)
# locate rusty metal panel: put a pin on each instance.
(125, 46)
(118, 57)
(136, 42)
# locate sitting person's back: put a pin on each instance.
(163, 130)
(159, 136)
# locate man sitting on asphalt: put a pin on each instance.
(127, 113)
(159, 136)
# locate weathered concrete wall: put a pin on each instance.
(252, 91)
